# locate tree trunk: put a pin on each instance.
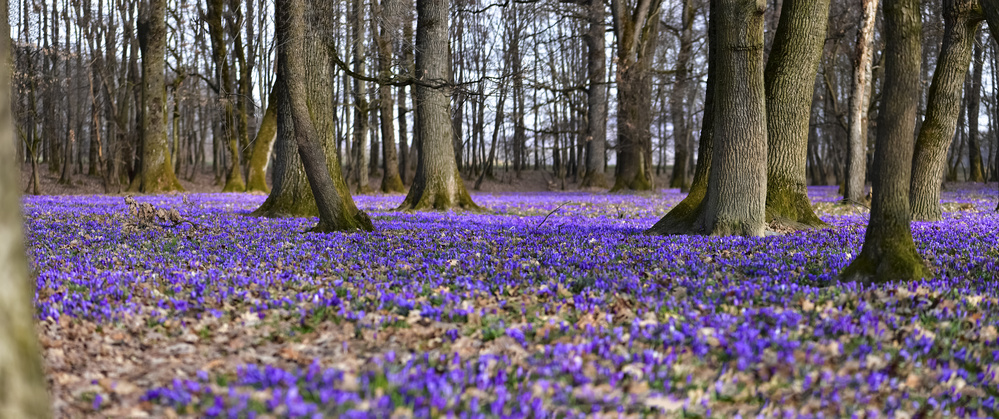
(736, 197)
(361, 106)
(860, 98)
(682, 137)
(637, 35)
(156, 171)
(790, 84)
(962, 19)
(391, 181)
(596, 96)
(889, 253)
(263, 145)
(304, 51)
(974, 95)
(23, 390)
(437, 184)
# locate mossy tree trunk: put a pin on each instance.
(306, 163)
(23, 390)
(889, 252)
(391, 181)
(437, 185)
(156, 173)
(860, 98)
(790, 85)
(263, 145)
(962, 19)
(637, 32)
(596, 95)
(361, 104)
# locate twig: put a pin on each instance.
(552, 212)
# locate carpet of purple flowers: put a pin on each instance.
(552, 304)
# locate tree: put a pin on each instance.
(596, 95)
(889, 252)
(307, 176)
(735, 195)
(637, 32)
(156, 174)
(860, 97)
(223, 86)
(391, 181)
(437, 184)
(361, 105)
(262, 147)
(23, 392)
(973, 91)
(961, 20)
(790, 80)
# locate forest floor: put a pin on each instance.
(552, 304)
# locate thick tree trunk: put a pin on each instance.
(391, 181)
(156, 172)
(889, 253)
(297, 174)
(437, 184)
(961, 20)
(860, 97)
(263, 145)
(23, 390)
(683, 157)
(596, 96)
(974, 95)
(790, 84)
(736, 197)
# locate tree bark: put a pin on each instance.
(361, 105)
(306, 163)
(263, 145)
(23, 390)
(736, 197)
(961, 20)
(596, 96)
(230, 128)
(437, 184)
(860, 98)
(889, 252)
(156, 171)
(790, 84)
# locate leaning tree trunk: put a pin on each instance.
(391, 181)
(263, 145)
(889, 252)
(683, 217)
(156, 173)
(437, 184)
(596, 96)
(860, 97)
(961, 20)
(682, 137)
(23, 390)
(736, 197)
(790, 84)
(292, 195)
